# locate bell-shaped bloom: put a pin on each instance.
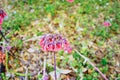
(1, 20)
(54, 42)
(70, 1)
(58, 46)
(45, 77)
(2, 57)
(107, 24)
(68, 49)
(8, 48)
(50, 47)
(65, 43)
(0, 28)
(2, 16)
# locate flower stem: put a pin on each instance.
(102, 75)
(55, 66)
(44, 68)
(6, 62)
(26, 73)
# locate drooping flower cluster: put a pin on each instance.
(54, 42)
(107, 24)
(2, 57)
(70, 1)
(2, 15)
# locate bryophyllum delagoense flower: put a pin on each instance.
(2, 16)
(70, 1)
(107, 24)
(54, 42)
(46, 77)
(0, 28)
(2, 57)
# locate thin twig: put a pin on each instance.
(87, 59)
(26, 73)
(44, 68)
(3, 36)
(55, 66)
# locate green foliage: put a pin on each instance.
(50, 69)
(19, 43)
(39, 76)
(50, 9)
(2, 76)
(104, 61)
(76, 56)
(90, 77)
(74, 63)
(105, 69)
(102, 32)
(39, 33)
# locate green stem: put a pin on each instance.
(6, 62)
(20, 74)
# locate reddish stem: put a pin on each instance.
(55, 66)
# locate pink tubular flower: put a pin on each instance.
(50, 47)
(70, 1)
(54, 42)
(1, 20)
(107, 24)
(68, 50)
(2, 16)
(2, 57)
(58, 46)
(0, 28)
(45, 77)
(8, 48)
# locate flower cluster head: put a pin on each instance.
(54, 42)
(70, 1)
(2, 16)
(2, 57)
(107, 24)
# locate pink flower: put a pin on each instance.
(0, 28)
(107, 24)
(2, 57)
(70, 1)
(2, 15)
(65, 43)
(1, 20)
(68, 49)
(50, 47)
(58, 46)
(45, 77)
(54, 42)
(42, 41)
(8, 47)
